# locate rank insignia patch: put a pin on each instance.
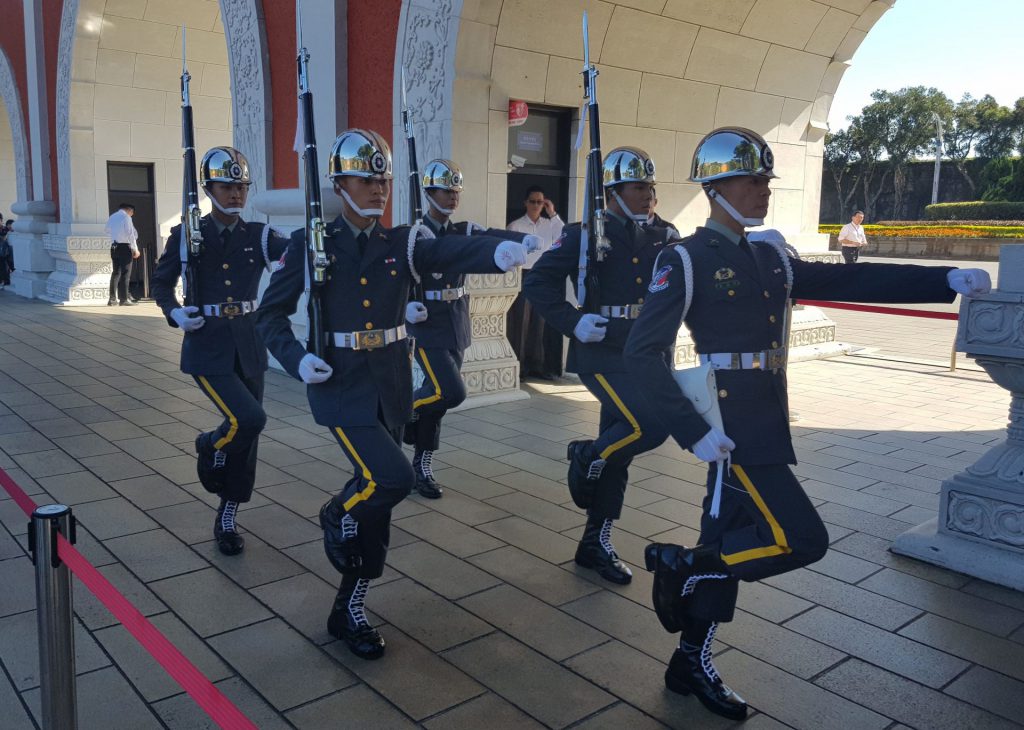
(660, 279)
(725, 274)
(558, 243)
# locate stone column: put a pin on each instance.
(491, 369)
(980, 527)
(31, 259)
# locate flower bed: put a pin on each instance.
(933, 231)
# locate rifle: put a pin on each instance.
(415, 202)
(594, 243)
(191, 246)
(316, 263)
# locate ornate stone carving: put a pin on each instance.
(250, 86)
(990, 519)
(992, 323)
(65, 57)
(9, 93)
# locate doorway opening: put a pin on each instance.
(540, 151)
(132, 182)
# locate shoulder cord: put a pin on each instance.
(414, 233)
(687, 277)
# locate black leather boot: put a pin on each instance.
(692, 671)
(348, 620)
(341, 541)
(676, 570)
(595, 551)
(225, 533)
(584, 472)
(210, 465)
(426, 485)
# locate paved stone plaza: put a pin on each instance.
(489, 625)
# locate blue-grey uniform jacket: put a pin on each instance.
(362, 293)
(227, 274)
(739, 306)
(623, 275)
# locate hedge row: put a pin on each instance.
(934, 231)
(975, 211)
(890, 224)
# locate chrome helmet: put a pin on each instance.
(731, 152)
(224, 164)
(628, 164)
(360, 153)
(442, 174)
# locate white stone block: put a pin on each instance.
(554, 28)
(648, 43)
(474, 49)
(796, 114)
(872, 14)
(83, 64)
(468, 140)
(124, 8)
(114, 68)
(211, 112)
(565, 88)
(759, 112)
(203, 46)
(163, 74)
(517, 74)
(830, 32)
(660, 144)
(727, 16)
(787, 210)
(833, 75)
(149, 141)
(686, 145)
(138, 36)
(670, 103)
(497, 191)
(788, 72)
(216, 81)
(786, 22)
(470, 96)
(789, 166)
(726, 59)
(199, 14)
(497, 143)
(128, 104)
(112, 138)
(849, 45)
(851, 6)
(81, 98)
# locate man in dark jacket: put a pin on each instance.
(221, 349)
(362, 391)
(733, 297)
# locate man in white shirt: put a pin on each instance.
(852, 237)
(124, 248)
(538, 346)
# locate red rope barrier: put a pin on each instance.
(206, 695)
(880, 310)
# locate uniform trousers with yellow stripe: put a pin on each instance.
(442, 389)
(383, 478)
(628, 427)
(766, 526)
(239, 399)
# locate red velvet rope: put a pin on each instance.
(208, 697)
(880, 310)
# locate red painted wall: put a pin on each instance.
(372, 35)
(52, 10)
(12, 40)
(280, 29)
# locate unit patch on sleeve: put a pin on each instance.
(660, 279)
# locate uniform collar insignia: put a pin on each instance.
(724, 274)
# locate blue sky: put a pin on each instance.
(957, 46)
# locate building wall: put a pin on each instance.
(8, 184)
(125, 102)
(669, 72)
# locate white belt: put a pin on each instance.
(625, 311)
(764, 360)
(366, 339)
(445, 295)
(229, 309)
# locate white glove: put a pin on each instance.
(773, 235)
(182, 316)
(313, 370)
(715, 446)
(415, 312)
(591, 328)
(531, 242)
(969, 282)
(509, 254)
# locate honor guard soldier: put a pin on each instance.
(598, 469)
(221, 349)
(362, 389)
(440, 326)
(733, 297)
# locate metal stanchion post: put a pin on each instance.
(53, 611)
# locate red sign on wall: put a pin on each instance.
(518, 111)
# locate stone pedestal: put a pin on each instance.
(81, 275)
(33, 263)
(980, 527)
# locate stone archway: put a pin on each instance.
(12, 103)
(142, 61)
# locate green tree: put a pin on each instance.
(998, 128)
(866, 141)
(963, 130)
(904, 123)
(841, 160)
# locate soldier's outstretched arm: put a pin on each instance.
(278, 304)
(648, 353)
(891, 283)
(165, 276)
(456, 254)
(544, 283)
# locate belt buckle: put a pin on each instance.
(230, 310)
(368, 340)
(634, 310)
(775, 359)
(736, 361)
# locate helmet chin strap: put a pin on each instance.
(364, 212)
(436, 206)
(222, 209)
(639, 218)
(733, 213)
